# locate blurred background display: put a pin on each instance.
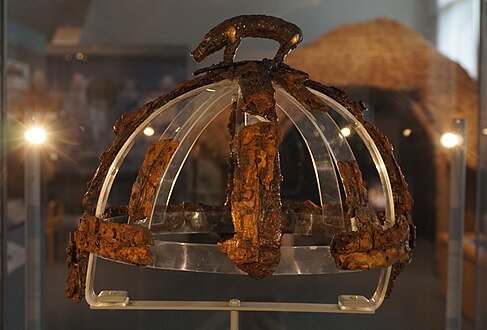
(74, 67)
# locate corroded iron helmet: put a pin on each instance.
(260, 103)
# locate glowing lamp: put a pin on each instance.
(149, 131)
(346, 131)
(450, 140)
(35, 135)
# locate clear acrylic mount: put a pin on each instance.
(326, 146)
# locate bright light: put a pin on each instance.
(35, 135)
(484, 131)
(407, 132)
(149, 131)
(450, 140)
(346, 131)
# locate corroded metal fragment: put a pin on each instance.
(254, 186)
(255, 201)
(403, 232)
(257, 91)
(156, 159)
(362, 249)
(403, 203)
(298, 218)
(121, 242)
(359, 212)
(293, 81)
(374, 258)
(77, 262)
(230, 33)
(369, 246)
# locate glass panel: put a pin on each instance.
(481, 233)
(74, 67)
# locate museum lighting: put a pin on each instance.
(35, 135)
(346, 131)
(407, 132)
(450, 140)
(149, 131)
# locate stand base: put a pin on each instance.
(112, 299)
(119, 300)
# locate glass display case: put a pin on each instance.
(73, 68)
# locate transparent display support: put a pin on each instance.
(186, 127)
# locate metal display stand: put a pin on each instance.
(456, 227)
(34, 241)
(119, 300)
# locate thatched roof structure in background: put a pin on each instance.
(386, 54)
